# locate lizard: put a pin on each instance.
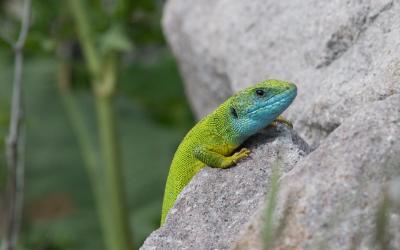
(214, 138)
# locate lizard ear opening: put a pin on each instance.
(233, 112)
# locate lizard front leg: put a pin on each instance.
(283, 120)
(216, 160)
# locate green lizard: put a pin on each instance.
(214, 138)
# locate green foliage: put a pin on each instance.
(55, 166)
(4, 119)
(115, 39)
(152, 111)
(155, 85)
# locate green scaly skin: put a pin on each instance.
(213, 139)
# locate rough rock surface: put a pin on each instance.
(344, 56)
(217, 203)
(341, 54)
(335, 191)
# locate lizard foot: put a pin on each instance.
(281, 119)
(243, 153)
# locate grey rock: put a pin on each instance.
(344, 57)
(217, 203)
(393, 192)
(332, 196)
(341, 54)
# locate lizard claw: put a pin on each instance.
(243, 153)
(281, 119)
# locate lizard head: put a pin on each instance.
(257, 106)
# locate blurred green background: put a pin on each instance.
(152, 117)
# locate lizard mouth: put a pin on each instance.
(276, 103)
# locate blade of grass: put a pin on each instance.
(382, 237)
(269, 229)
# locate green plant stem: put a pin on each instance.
(86, 146)
(114, 181)
(118, 216)
(103, 71)
(77, 119)
(89, 157)
(85, 35)
(15, 142)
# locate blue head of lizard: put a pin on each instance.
(257, 106)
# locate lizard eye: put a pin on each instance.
(260, 93)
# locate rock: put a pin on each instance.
(344, 57)
(332, 196)
(217, 203)
(341, 54)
